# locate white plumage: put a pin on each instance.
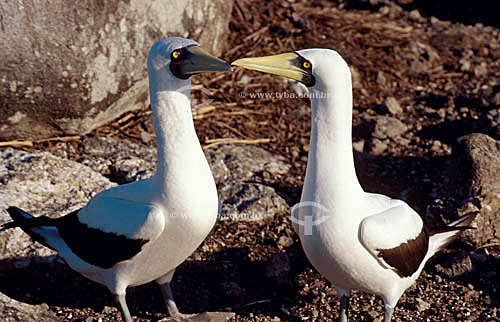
(140, 232)
(368, 242)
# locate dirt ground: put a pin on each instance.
(440, 62)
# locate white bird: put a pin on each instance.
(140, 232)
(357, 240)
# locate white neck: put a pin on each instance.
(177, 143)
(330, 166)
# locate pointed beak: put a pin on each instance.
(288, 65)
(196, 61)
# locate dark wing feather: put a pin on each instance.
(407, 257)
(96, 247)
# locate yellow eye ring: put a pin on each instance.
(176, 54)
(306, 64)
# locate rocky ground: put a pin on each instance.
(423, 78)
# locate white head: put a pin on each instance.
(318, 69)
(172, 61)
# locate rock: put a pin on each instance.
(14, 311)
(415, 15)
(250, 201)
(487, 222)
(377, 147)
(422, 305)
(465, 65)
(495, 100)
(381, 79)
(121, 161)
(421, 57)
(284, 241)
(356, 78)
(479, 160)
(481, 70)
(243, 162)
(388, 127)
(358, 145)
(70, 68)
(392, 105)
(233, 165)
(456, 265)
(481, 156)
(41, 184)
(436, 146)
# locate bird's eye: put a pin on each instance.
(306, 64)
(176, 54)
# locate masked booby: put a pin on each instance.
(140, 232)
(357, 240)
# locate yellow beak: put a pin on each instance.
(282, 64)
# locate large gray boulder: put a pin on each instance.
(41, 184)
(235, 169)
(69, 67)
(15, 311)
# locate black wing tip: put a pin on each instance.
(17, 215)
(15, 211)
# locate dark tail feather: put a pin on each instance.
(26, 222)
(443, 236)
(461, 223)
(465, 220)
(18, 216)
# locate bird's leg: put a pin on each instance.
(344, 306)
(389, 310)
(168, 295)
(344, 303)
(122, 303)
(175, 315)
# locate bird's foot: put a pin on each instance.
(201, 317)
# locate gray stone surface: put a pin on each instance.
(393, 105)
(388, 127)
(41, 184)
(243, 162)
(479, 158)
(70, 67)
(119, 160)
(456, 265)
(15, 311)
(250, 201)
(482, 157)
(377, 147)
(234, 167)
